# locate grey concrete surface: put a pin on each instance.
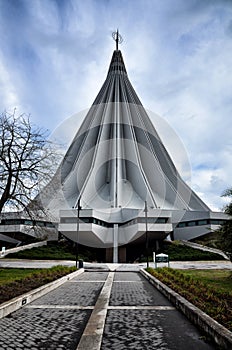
(134, 316)
(23, 263)
(33, 264)
(54, 321)
(162, 327)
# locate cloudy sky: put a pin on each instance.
(54, 56)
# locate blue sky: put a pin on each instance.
(54, 56)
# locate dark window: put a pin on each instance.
(40, 223)
(13, 222)
(216, 222)
(49, 224)
(28, 222)
(202, 222)
(181, 224)
(192, 223)
(161, 220)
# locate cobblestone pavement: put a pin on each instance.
(138, 317)
(33, 329)
(56, 320)
(129, 325)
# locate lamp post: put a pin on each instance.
(145, 210)
(78, 220)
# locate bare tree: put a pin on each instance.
(27, 161)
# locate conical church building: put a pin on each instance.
(117, 181)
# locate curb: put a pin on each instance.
(204, 248)
(221, 335)
(16, 303)
(3, 254)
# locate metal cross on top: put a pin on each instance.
(117, 38)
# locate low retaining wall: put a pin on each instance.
(23, 247)
(221, 335)
(14, 304)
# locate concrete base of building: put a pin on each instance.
(121, 255)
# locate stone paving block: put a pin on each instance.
(91, 276)
(128, 276)
(72, 293)
(139, 292)
(150, 330)
(51, 328)
(42, 329)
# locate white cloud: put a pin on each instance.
(7, 90)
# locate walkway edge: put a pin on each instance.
(221, 335)
(16, 303)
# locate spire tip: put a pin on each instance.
(117, 38)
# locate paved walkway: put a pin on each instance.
(26, 263)
(100, 310)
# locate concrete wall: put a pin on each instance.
(24, 247)
(204, 248)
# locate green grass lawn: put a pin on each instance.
(179, 252)
(218, 279)
(51, 252)
(15, 282)
(10, 275)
